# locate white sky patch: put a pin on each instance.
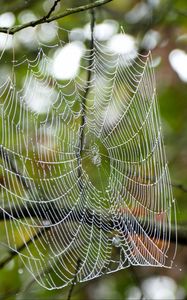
(122, 44)
(66, 61)
(140, 11)
(102, 31)
(151, 39)
(26, 16)
(6, 41)
(134, 293)
(162, 287)
(39, 97)
(47, 32)
(77, 34)
(178, 61)
(7, 19)
(156, 61)
(27, 37)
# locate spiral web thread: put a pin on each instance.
(94, 210)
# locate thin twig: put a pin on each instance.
(29, 285)
(68, 11)
(22, 247)
(10, 162)
(51, 10)
(74, 280)
(89, 75)
(83, 104)
(180, 187)
(106, 225)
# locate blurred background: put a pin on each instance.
(156, 25)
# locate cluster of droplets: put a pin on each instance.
(95, 155)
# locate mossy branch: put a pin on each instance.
(48, 18)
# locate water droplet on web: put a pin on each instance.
(96, 157)
(116, 242)
(20, 271)
(46, 223)
(96, 160)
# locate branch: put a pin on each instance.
(74, 280)
(83, 104)
(51, 10)
(22, 247)
(54, 216)
(89, 75)
(6, 157)
(68, 11)
(180, 187)
(105, 225)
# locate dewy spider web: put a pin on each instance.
(94, 210)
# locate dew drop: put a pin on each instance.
(96, 158)
(116, 242)
(20, 271)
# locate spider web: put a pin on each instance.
(92, 208)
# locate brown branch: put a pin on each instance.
(54, 216)
(8, 159)
(74, 280)
(22, 247)
(180, 187)
(89, 75)
(51, 10)
(68, 11)
(83, 104)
